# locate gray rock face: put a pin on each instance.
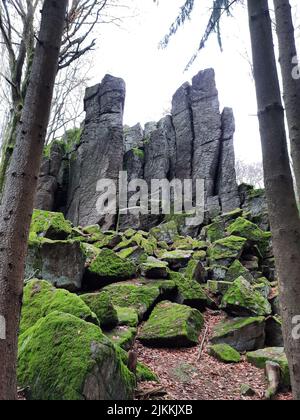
(194, 142)
(227, 186)
(48, 180)
(100, 154)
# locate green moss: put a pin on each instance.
(242, 299)
(215, 231)
(237, 270)
(40, 299)
(227, 328)
(122, 336)
(139, 153)
(143, 372)
(227, 248)
(200, 255)
(109, 266)
(50, 225)
(167, 232)
(259, 359)
(127, 316)
(190, 291)
(72, 138)
(171, 325)
(60, 352)
(225, 353)
(218, 287)
(101, 305)
(154, 269)
(149, 245)
(246, 229)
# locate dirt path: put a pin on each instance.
(183, 376)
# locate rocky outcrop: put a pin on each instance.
(194, 142)
(100, 153)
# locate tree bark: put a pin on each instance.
(20, 187)
(291, 86)
(283, 212)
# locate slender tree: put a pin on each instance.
(283, 212)
(291, 85)
(19, 192)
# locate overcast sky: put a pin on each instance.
(152, 76)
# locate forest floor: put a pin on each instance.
(192, 374)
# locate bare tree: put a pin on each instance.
(19, 20)
(250, 173)
(18, 198)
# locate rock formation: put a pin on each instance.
(194, 142)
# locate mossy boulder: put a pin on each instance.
(50, 225)
(196, 271)
(127, 316)
(187, 243)
(139, 295)
(101, 305)
(243, 334)
(41, 298)
(177, 259)
(242, 299)
(167, 232)
(154, 269)
(148, 244)
(135, 254)
(237, 270)
(218, 287)
(123, 336)
(226, 250)
(65, 358)
(107, 268)
(259, 359)
(172, 325)
(62, 263)
(215, 231)
(225, 353)
(189, 291)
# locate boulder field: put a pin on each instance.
(90, 294)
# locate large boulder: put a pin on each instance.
(225, 353)
(108, 268)
(41, 298)
(65, 358)
(49, 225)
(242, 299)
(101, 305)
(62, 263)
(225, 251)
(154, 269)
(139, 295)
(189, 291)
(172, 325)
(243, 334)
(277, 355)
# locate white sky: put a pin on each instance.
(152, 76)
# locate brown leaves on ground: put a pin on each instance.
(185, 376)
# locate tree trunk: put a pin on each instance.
(283, 212)
(20, 187)
(291, 86)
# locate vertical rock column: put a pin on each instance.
(227, 185)
(100, 153)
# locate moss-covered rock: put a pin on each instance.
(90, 252)
(148, 244)
(123, 336)
(154, 269)
(243, 334)
(50, 225)
(139, 295)
(167, 232)
(65, 358)
(259, 359)
(177, 259)
(172, 325)
(187, 243)
(215, 231)
(108, 267)
(41, 298)
(135, 254)
(218, 287)
(237, 270)
(143, 372)
(226, 250)
(190, 292)
(225, 353)
(196, 271)
(127, 316)
(242, 299)
(62, 263)
(101, 305)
